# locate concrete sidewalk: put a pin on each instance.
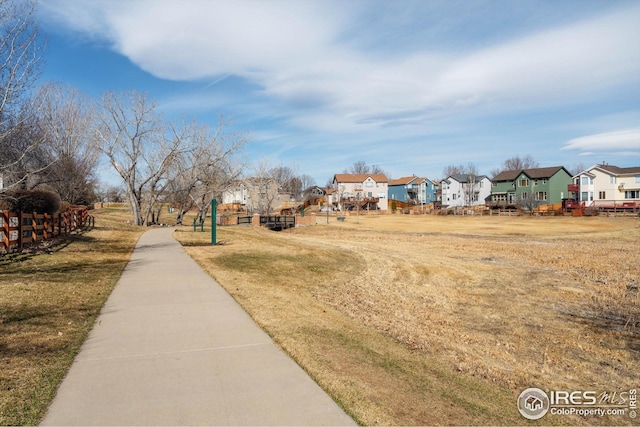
(171, 347)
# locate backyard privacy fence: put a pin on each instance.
(20, 229)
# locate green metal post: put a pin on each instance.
(213, 221)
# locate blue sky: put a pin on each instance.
(411, 86)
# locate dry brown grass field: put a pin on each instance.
(425, 320)
(49, 299)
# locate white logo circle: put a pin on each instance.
(533, 403)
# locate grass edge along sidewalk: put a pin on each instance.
(49, 301)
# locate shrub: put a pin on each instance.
(39, 201)
(5, 203)
(64, 206)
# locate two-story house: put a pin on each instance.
(360, 191)
(412, 189)
(461, 190)
(314, 193)
(530, 186)
(608, 185)
(259, 195)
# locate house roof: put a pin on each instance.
(507, 175)
(314, 188)
(618, 171)
(464, 178)
(359, 177)
(534, 173)
(404, 181)
(544, 172)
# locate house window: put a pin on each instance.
(602, 195)
(632, 194)
(584, 196)
(585, 180)
(494, 184)
(368, 184)
(637, 179)
(541, 195)
(454, 196)
(523, 182)
(481, 184)
(613, 180)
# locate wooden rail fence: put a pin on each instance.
(20, 229)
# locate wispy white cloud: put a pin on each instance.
(438, 78)
(296, 51)
(626, 139)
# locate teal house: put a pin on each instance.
(526, 186)
(412, 189)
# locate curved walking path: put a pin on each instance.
(171, 347)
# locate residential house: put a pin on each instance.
(236, 193)
(412, 189)
(315, 193)
(363, 191)
(319, 196)
(258, 195)
(607, 185)
(528, 187)
(461, 190)
(331, 197)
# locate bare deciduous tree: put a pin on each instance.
(205, 172)
(66, 119)
(20, 53)
(265, 188)
(361, 167)
(576, 168)
(110, 193)
(516, 163)
(21, 155)
(140, 146)
(306, 181)
(468, 169)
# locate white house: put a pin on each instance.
(461, 190)
(366, 191)
(259, 195)
(607, 184)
